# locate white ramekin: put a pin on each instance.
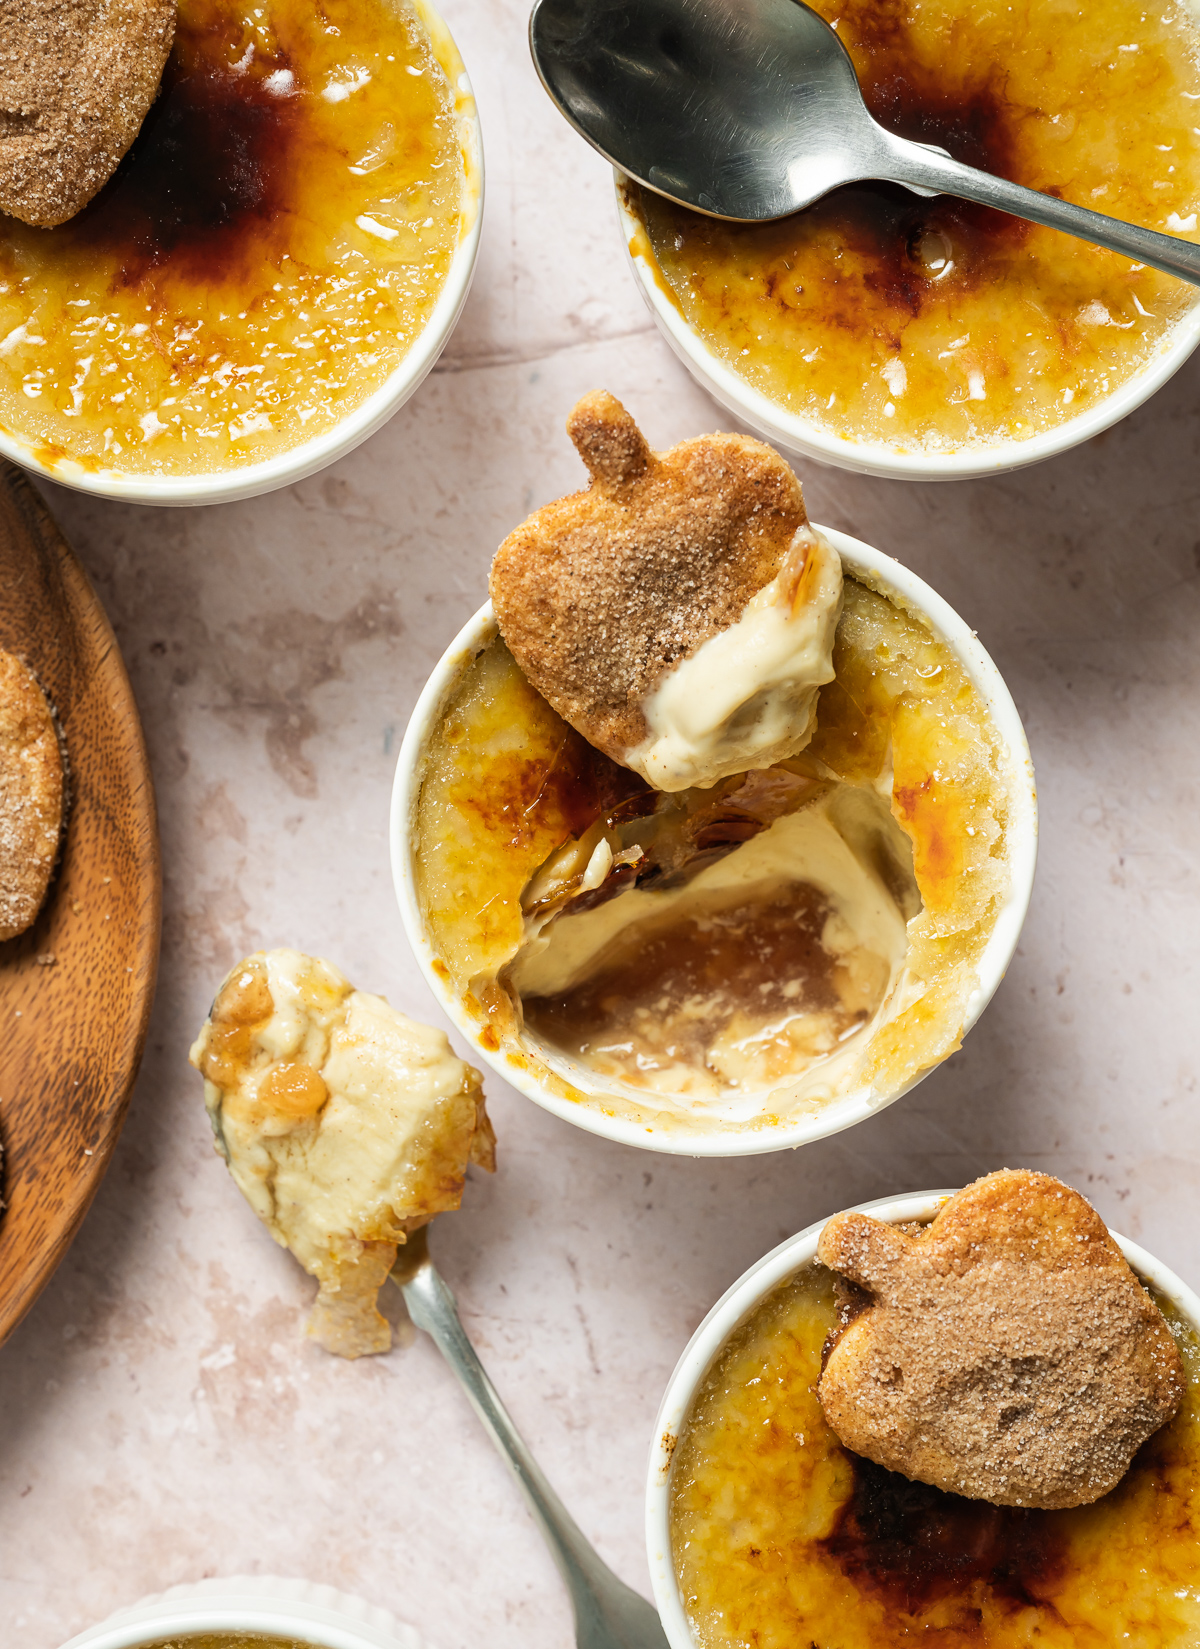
(799, 435)
(246, 481)
(884, 574)
(734, 1306)
(256, 1604)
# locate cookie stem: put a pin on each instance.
(607, 439)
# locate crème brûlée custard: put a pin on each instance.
(726, 907)
(263, 259)
(229, 1640)
(780, 1535)
(345, 1124)
(934, 325)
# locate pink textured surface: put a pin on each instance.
(162, 1419)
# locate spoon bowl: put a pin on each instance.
(752, 111)
(740, 112)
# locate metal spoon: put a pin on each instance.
(608, 1615)
(751, 109)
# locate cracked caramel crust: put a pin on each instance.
(600, 594)
(32, 796)
(1009, 1352)
(77, 78)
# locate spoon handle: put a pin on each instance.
(912, 163)
(608, 1614)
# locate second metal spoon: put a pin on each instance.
(608, 1614)
(751, 109)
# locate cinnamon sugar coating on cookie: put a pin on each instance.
(77, 78)
(600, 594)
(1009, 1352)
(32, 796)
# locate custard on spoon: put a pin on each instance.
(345, 1124)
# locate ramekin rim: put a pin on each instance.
(841, 1113)
(306, 1611)
(732, 1308)
(297, 463)
(799, 435)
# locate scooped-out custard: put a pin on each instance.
(781, 1537)
(732, 956)
(934, 325)
(264, 257)
(345, 1125)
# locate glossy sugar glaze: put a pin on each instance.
(932, 324)
(264, 257)
(783, 1539)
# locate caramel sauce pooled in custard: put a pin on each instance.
(783, 1538)
(671, 993)
(262, 259)
(934, 323)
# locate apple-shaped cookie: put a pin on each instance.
(1008, 1352)
(603, 597)
(33, 795)
(77, 78)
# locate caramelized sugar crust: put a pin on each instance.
(898, 690)
(1008, 1353)
(781, 1537)
(230, 1640)
(599, 594)
(936, 324)
(507, 781)
(32, 796)
(76, 80)
(263, 258)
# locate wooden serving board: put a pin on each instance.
(72, 1029)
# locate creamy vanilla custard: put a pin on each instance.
(933, 324)
(735, 955)
(346, 1126)
(264, 257)
(748, 695)
(783, 1539)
